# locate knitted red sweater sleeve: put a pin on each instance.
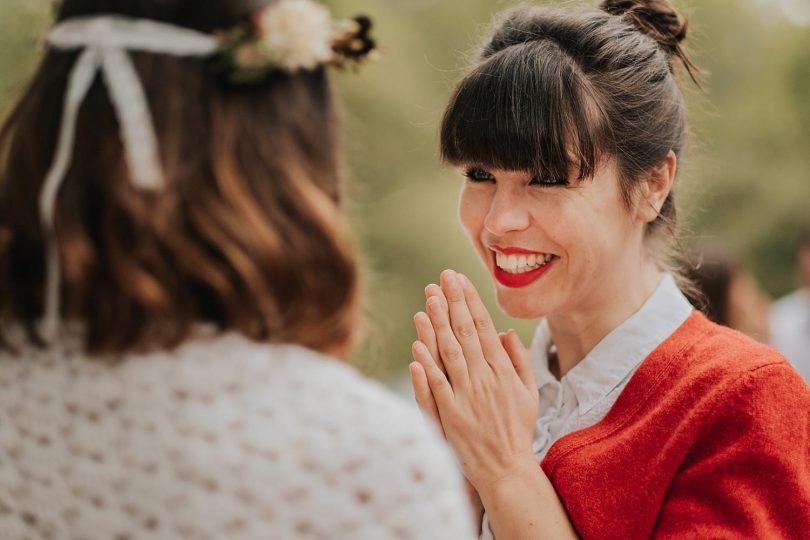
(750, 475)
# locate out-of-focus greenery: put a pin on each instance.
(22, 24)
(745, 178)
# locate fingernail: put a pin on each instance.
(434, 305)
(451, 279)
(420, 347)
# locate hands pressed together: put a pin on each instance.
(479, 386)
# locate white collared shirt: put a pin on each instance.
(586, 393)
(790, 329)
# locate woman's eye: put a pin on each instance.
(545, 181)
(478, 175)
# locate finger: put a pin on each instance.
(461, 321)
(487, 335)
(425, 333)
(433, 290)
(452, 356)
(440, 387)
(520, 358)
(424, 397)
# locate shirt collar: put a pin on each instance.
(621, 351)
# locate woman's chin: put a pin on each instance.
(521, 308)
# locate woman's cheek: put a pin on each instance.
(472, 212)
(473, 209)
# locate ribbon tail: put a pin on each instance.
(81, 79)
(137, 129)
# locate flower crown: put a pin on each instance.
(293, 35)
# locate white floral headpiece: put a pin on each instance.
(289, 35)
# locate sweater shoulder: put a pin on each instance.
(301, 390)
(281, 440)
(707, 351)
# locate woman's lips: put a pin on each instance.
(516, 281)
(514, 251)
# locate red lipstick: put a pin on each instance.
(514, 251)
(516, 281)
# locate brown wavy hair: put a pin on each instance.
(248, 233)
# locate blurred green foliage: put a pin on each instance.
(745, 179)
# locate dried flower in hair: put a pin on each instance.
(290, 35)
(293, 35)
(296, 34)
(352, 41)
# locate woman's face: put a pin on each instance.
(551, 246)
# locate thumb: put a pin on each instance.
(521, 360)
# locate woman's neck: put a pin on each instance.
(576, 332)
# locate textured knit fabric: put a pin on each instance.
(223, 439)
(709, 439)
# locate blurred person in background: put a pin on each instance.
(729, 294)
(647, 419)
(790, 316)
(179, 291)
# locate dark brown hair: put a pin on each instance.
(558, 90)
(713, 270)
(247, 235)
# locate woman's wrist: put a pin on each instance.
(524, 504)
(522, 474)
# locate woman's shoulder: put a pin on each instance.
(291, 393)
(298, 381)
(705, 371)
(212, 379)
(246, 427)
(299, 374)
(702, 351)
(331, 436)
(738, 418)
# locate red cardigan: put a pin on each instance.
(709, 439)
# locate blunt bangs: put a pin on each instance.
(525, 108)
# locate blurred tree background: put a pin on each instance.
(744, 182)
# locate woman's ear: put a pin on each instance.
(655, 188)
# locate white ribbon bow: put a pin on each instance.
(106, 40)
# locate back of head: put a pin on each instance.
(557, 91)
(247, 233)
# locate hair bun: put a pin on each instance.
(657, 19)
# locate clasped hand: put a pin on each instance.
(476, 383)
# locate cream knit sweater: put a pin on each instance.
(222, 439)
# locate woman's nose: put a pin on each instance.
(507, 213)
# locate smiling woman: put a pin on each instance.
(646, 418)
